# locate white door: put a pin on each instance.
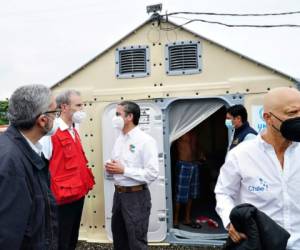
(150, 122)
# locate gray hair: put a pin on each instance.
(26, 104)
(64, 97)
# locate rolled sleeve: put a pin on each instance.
(227, 188)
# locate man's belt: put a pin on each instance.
(125, 189)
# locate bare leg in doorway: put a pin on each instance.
(187, 180)
(187, 214)
(176, 215)
(188, 208)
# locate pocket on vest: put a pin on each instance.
(67, 186)
(68, 148)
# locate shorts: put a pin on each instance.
(187, 181)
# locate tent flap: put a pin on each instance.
(187, 114)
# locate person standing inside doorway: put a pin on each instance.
(71, 179)
(237, 120)
(190, 157)
(134, 165)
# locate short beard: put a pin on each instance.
(46, 128)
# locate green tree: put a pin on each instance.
(3, 112)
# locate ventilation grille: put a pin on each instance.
(183, 58)
(132, 62)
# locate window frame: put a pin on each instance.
(197, 70)
(120, 75)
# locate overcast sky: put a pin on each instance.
(43, 41)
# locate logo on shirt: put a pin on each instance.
(131, 148)
(262, 186)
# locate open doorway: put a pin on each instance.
(211, 137)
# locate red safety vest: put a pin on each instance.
(71, 179)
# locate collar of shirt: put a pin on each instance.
(267, 146)
(62, 125)
(35, 147)
(132, 132)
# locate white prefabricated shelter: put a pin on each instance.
(181, 81)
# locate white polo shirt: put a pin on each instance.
(253, 174)
(137, 152)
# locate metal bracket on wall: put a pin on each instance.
(233, 99)
(163, 103)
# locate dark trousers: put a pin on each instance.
(69, 216)
(130, 220)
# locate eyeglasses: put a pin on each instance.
(56, 112)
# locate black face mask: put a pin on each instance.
(290, 128)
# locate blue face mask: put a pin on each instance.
(228, 123)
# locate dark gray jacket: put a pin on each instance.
(28, 217)
(262, 232)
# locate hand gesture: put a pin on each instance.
(114, 167)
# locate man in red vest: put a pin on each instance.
(71, 179)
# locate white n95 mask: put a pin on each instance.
(78, 116)
(118, 122)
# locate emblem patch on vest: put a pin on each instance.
(236, 141)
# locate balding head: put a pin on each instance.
(277, 99)
(280, 104)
